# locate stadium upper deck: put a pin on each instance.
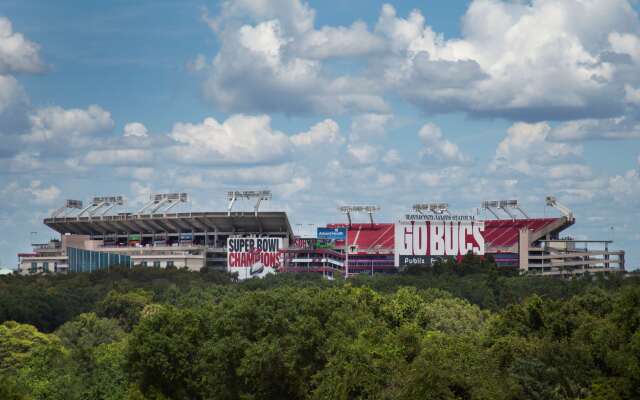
(173, 223)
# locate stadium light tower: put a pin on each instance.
(436, 208)
(98, 202)
(68, 205)
(259, 195)
(105, 201)
(505, 205)
(369, 209)
(163, 202)
(566, 211)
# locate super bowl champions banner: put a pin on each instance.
(420, 237)
(253, 257)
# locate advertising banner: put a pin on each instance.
(254, 257)
(332, 233)
(420, 237)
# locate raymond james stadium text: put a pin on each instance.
(437, 217)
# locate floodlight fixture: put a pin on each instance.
(505, 205)
(73, 204)
(163, 202)
(436, 208)
(359, 208)
(99, 202)
(258, 195)
(68, 205)
(118, 200)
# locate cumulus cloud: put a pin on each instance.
(74, 127)
(241, 139)
(325, 132)
(439, 148)
(516, 72)
(340, 41)
(272, 59)
(14, 106)
(118, 157)
(365, 126)
(135, 129)
(391, 157)
(625, 188)
(527, 150)
(572, 171)
(25, 161)
(363, 153)
(17, 54)
(32, 192)
(385, 179)
(597, 129)
(275, 63)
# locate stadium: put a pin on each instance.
(256, 243)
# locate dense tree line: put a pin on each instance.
(454, 331)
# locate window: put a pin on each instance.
(170, 264)
(34, 267)
(45, 266)
(156, 264)
(144, 263)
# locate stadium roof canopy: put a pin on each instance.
(221, 222)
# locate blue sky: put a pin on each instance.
(325, 103)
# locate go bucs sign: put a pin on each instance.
(438, 235)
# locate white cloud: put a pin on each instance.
(17, 54)
(325, 132)
(626, 188)
(13, 106)
(33, 192)
(141, 174)
(24, 162)
(518, 60)
(275, 65)
(330, 42)
(625, 43)
(391, 157)
(365, 126)
(241, 139)
(572, 171)
(75, 127)
(260, 175)
(296, 16)
(597, 129)
(118, 157)
(10, 92)
(531, 61)
(385, 180)
(296, 185)
(43, 195)
(363, 153)
(135, 129)
(527, 150)
(439, 148)
(632, 95)
(141, 192)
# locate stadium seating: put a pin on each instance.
(505, 233)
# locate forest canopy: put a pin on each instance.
(454, 331)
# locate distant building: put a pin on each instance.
(6, 271)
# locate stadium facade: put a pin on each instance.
(256, 243)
